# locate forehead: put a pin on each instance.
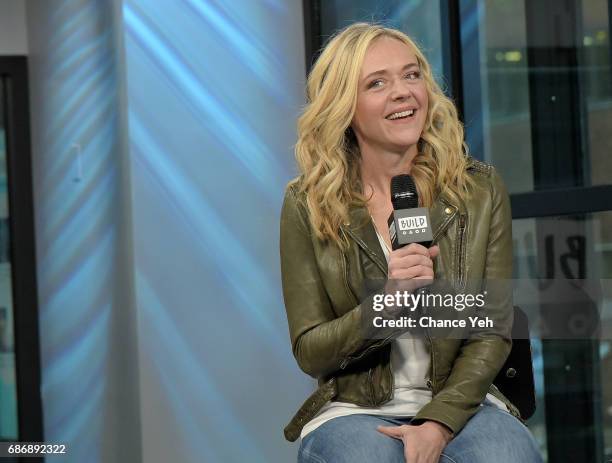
(386, 53)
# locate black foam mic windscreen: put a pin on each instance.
(408, 223)
(404, 194)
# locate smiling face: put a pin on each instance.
(392, 100)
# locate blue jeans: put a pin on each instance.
(491, 435)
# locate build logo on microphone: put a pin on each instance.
(412, 225)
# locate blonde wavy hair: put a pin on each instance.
(327, 153)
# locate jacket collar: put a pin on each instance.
(361, 228)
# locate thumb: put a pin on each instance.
(434, 251)
(391, 431)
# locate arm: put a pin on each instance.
(483, 354)
(320, 341)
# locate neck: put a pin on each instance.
(378, 167)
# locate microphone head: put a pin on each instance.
(403, 192)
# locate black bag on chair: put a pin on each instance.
(515, 379)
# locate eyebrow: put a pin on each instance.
(384, 71)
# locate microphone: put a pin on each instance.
(408, 223)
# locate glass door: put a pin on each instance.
(538, 105)
(20, 396)
(8, 386)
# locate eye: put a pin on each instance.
(413, 75)
(375, 83)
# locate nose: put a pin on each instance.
(400, 90)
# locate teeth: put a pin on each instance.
(409, 112)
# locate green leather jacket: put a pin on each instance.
(321, 288)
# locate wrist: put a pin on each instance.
(446, 433)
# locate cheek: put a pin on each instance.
(425, 110)
(366, 113)
(424, 103)
(425, 99)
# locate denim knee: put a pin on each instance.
(353, 439)
(492, 435)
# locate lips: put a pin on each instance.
(401, 114)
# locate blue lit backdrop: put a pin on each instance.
(163, 333)
(213, 89)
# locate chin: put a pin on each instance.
(404, 143)
(405, 139)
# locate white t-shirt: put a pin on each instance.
(410, 359)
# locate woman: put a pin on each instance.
(374, 111)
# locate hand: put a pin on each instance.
(412, 262)
(423, 443)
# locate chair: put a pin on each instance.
(515, 379)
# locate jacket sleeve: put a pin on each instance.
(321, 341)
(483, 354)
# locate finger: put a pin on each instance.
(409, 285)
(419, 271)
(410, 272)
(403, 274)
(391, 431)
(414, 259)
(434, 251)
(412, 248)
(410, 261)
(425, 278)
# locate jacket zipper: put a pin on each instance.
(460, 251)
(432, 378)
(347, 288)
(371, 387)
(349, 359)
